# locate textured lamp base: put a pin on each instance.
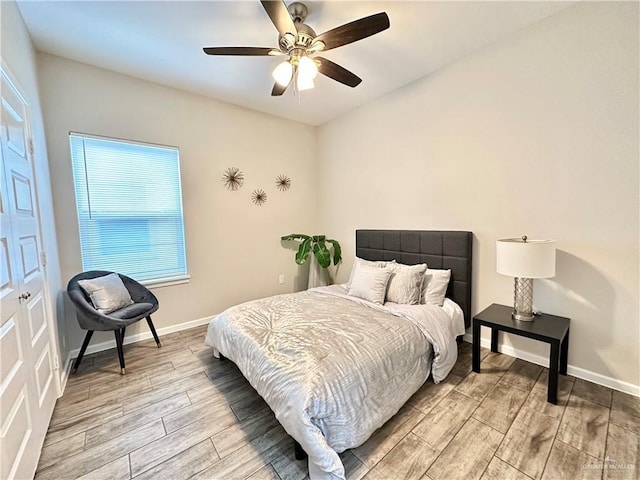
(523, 300)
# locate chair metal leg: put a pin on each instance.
(119, 338)
(85, 344)
(153, 331)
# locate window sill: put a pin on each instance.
(166, 282)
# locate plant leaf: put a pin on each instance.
(337, 251)
(295, 236)
(321, 252)
(303, 251)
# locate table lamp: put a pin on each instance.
(525, 260)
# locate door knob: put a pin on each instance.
(25, 296)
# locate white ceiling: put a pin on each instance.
(162, 41)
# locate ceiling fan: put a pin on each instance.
(299, 42)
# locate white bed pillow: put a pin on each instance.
(370, 283)
(434, 286)
(107, 293)
(360, 261)
(405, 283)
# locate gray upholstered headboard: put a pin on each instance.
(438, 249)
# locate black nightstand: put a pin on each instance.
(551, 329)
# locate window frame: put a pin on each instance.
(152, 282)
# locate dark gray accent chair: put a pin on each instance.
(90, 319)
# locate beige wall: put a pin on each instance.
(536, 135)
(19, 56)
(233, 247)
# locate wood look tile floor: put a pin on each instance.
(179, 413)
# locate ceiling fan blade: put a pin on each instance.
(338, 73)
(354, 31)
(241, 51)
(280, 16)
(279, 89)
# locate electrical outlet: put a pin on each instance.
(281, 278)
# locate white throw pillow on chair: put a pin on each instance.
(107, 293)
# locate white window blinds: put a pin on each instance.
(129, 205)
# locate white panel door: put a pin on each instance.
(28, 388)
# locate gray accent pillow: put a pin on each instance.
(107, 293)
(405, 284)
(370, 283)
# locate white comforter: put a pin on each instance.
(334, 368)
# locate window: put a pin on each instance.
(129, 208)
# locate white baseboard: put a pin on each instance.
(66, 371)
(138, 337)
(571, 370)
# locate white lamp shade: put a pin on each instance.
(307, 69)
(283, 73)
(305, 83)
(526, 259)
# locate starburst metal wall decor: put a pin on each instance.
(283, 183)
(233, 178)
(259, 197)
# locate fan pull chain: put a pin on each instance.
(296, 90)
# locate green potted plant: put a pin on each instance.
(325, 250)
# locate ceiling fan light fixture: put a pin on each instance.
(282, 73)
(307, 68)
(300, 43)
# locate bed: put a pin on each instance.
(335, 367)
